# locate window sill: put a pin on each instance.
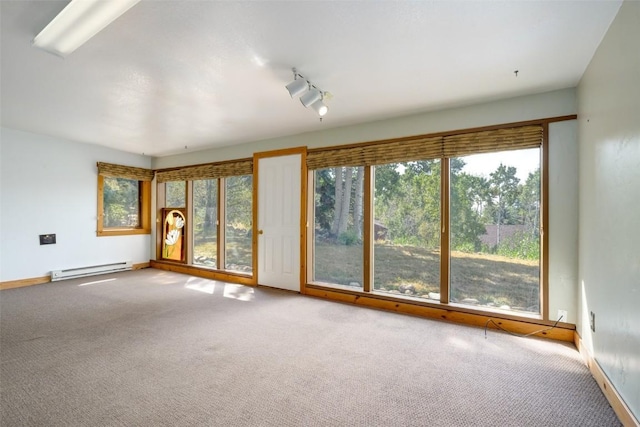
(122, 232)
(452, 307)
(204, 272)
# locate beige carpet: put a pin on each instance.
(153, 348)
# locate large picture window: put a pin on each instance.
(454, 219)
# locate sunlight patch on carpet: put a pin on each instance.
(97, 282)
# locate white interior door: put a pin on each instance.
(279, 221)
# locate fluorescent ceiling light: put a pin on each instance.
(78, 22)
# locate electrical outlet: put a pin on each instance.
(562, 315)
(592, 321)
(47, 239)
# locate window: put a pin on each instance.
(407, 229)
(219, 200)
(453, 219)
(238, 246)
(121, 207)
(495, 230)
(176, 194)
(205, 223)
(339, 225)
(124, 199)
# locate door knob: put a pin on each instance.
(260, 232)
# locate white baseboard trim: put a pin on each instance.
(621, 409)
(11, 284)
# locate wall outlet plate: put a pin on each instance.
(47, 239)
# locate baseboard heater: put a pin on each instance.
(93, 270)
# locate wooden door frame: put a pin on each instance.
(302, 151)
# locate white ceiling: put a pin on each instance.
(170, 74)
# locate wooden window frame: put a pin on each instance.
(144, 227)
(219, 272)
(334, 292)
(445, 246)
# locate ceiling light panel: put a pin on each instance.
(78, 22)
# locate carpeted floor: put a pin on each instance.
(153, 348)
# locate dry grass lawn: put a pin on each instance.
(476, 279)
(479, 279)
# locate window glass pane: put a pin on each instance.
(121, 203)
(205, 219)
(238, 205)
(176, 194)
(407, 229)
(338, 226)
(495, 230)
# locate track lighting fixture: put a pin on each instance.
(298, 86)
(320, 108)
(310, 95)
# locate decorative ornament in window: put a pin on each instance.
(173, 244)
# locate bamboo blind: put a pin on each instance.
(423, 148)
(493, 140)
(208, 171)
(120, 171)
(377, 154)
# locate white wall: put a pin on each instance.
(49, 185)
(563, 166)
(563, 220)
(609, 240)
(550, 104)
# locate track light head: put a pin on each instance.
(310, 97)
(320, 108)
(297, 87)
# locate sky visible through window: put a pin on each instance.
(525, 162)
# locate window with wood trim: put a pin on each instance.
(124, 200)
(339, 226)
(205, 223)
(453, 219)
(219, 201)
(238, 215)
(495, 230)
(406, 221)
